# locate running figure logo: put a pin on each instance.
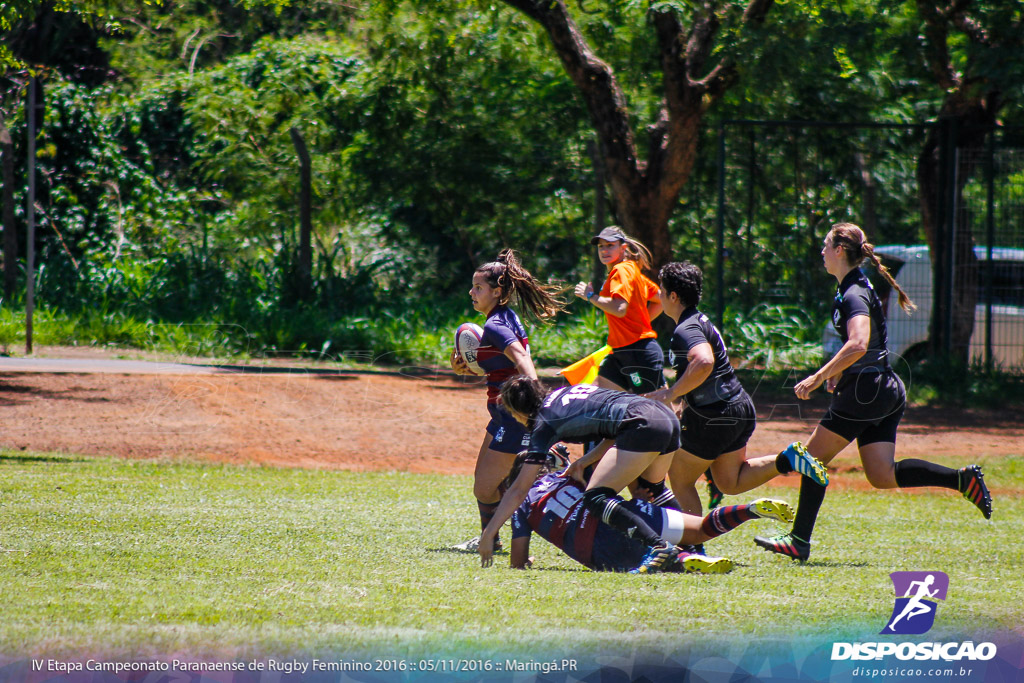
(917, 594)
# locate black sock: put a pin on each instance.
(661, 495)
(911, 473)
(811, 497)
(782, 464)
(609, 508)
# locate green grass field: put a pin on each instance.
(141, 559)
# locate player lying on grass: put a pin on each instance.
(718, 418)
(553, 508)
(645, 435)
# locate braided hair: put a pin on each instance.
(856, 247)
(542, 301)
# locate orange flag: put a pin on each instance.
(585, 371)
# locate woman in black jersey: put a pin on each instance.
(718, 418)
(868, 397)
(645, 435)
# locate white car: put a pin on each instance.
(912, 269)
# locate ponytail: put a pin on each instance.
(636, 251)
(857, 248)
(542, 301)
(868, 251)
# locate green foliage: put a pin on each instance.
(950, 383)
(574, 336)
(440, 132)
(240, 115)
(773, 337)
(472, 139)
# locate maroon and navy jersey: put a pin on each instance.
(502, 329)
(554, 509)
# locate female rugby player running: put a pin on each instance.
(504, 351)
(868, 397)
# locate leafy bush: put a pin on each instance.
(773, 337)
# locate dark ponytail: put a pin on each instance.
(541, 301)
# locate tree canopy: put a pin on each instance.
(441, 131)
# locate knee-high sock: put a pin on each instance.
(610, 509)
(724, 519)
(911, 473)
(782, 464)
(811, 497)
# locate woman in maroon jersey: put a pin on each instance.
(504, 351)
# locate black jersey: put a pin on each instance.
(694, 329)
(855, 296)
(578, 414)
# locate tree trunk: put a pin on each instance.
(945, 165)
(969, 108)
(645, 193)
(305, 213)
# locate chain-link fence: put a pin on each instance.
(782, 184)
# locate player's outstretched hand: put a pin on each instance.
(575, 471)
(486, 550)
(661, 395)
(643, 493)
(583, 290)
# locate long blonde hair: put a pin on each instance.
(635, 250)
(857, 248)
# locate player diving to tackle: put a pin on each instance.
(645, 435)
(553, 508)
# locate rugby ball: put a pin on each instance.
(467, 343)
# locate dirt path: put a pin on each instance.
(361, 421)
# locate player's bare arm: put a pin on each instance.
(859, 329)
(512, 499)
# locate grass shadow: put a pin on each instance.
(26, 458)
(454, 551)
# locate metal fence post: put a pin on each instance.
(720, 245)
(990, 234)
(30, 289)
